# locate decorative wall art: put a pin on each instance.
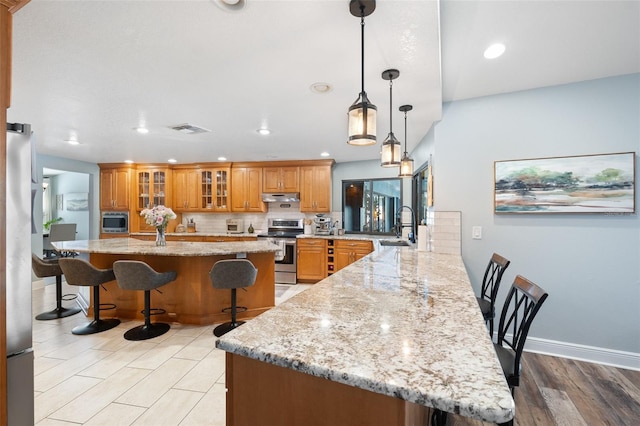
(603, 183)
(77, 201)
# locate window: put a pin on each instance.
(370, 206)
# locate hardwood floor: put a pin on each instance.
(178, 379)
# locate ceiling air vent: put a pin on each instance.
(189, 129)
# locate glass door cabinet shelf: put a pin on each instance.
(214, 190)
(151, 189)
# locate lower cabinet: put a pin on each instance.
(312, 259)
(348, 251)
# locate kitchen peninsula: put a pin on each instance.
(377, 343)
(190, 298)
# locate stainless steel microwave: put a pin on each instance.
(115, 222)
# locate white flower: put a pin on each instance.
(159, 216)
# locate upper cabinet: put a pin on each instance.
(315, 189)
(115, 188)
(214, 190)
(281, 179)
(153, 187)
(246, 189)
(201, 189)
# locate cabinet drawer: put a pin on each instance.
(354, 244)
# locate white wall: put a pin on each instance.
(58, 163)
(588, 263)
(65, 184)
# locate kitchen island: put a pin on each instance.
(189, 299)
(376, 343)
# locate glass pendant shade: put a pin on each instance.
(390, 156)
(362, 122)
(406, 166)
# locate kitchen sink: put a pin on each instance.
(393, 242)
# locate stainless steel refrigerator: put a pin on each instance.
(18, 266)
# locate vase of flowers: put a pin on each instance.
(159, 216)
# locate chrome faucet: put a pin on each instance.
(399, 225)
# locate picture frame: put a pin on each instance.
(598, 183)
(77, 201)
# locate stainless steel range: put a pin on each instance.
(283, 232)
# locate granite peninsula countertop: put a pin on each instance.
(173, 248)
(197, 234)
(398, 322)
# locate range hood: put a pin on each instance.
(281, 197)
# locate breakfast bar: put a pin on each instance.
(381, 342)
(189, 299)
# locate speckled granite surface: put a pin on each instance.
(173, 248)
(398, 322)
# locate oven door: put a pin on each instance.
(286, 260)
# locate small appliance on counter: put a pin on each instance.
(235, 226)
(323, 224)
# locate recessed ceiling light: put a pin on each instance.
(321, 88)
(172, 160)
(324, 154)
(128, 161)
(495, 50)
(72, 142)
(230, 5)
(264, 132)
(142, 130)
(222, 158)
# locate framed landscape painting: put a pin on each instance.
(603, 183)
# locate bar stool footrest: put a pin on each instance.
(238, 309)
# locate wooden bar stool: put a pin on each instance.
(232, 274)
(51, 268)
(136, 275)
(82, 273)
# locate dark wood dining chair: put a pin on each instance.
(490, 285)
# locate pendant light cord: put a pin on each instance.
(362, 46)
(391, 106)
(405, 133)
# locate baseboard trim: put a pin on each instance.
(615, 358)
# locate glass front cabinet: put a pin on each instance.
(152, 185)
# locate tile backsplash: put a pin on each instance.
(445, 232)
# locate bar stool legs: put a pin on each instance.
(97, 325)
(59, 311)
(148, 330)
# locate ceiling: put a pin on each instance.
(94, 70)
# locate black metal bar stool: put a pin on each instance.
(232, 274)
(136, 275)
(51, 268)
(81, 273)
(490, 285)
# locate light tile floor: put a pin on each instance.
(103, 379)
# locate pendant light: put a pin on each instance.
(390, 156)
(362, 114)
(406, 165)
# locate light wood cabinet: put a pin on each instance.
(153, 187)
(311, 259)
(315, 188)
(114, 188)
(246, 189)
(348, 251)
(186, 183)
(281, 179)
(205, 190)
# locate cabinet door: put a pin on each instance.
(254, 190)
(315, 188)
(312, 260)
(114, 189)
(153, 187)
(246, 190)
(342, 258)
(271, 182)
(290, 179)
(185, 190)
(238, 184)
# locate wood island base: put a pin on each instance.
(190, 299)
(259, 393)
